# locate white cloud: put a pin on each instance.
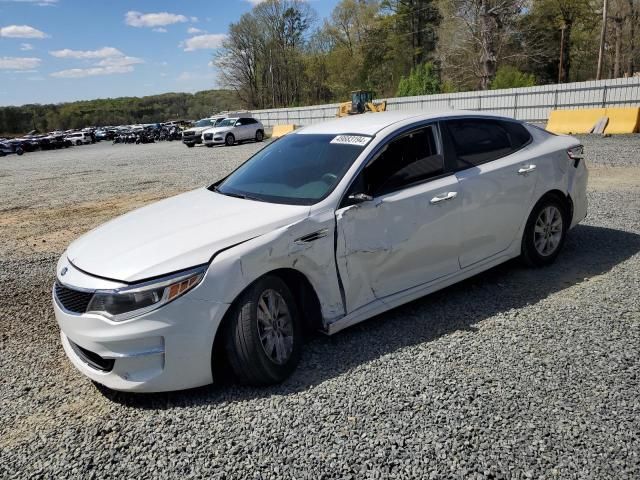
(193, 19)
(21, 31)
(194, 30)
(150, 20)
(255, 2)
(119, 62)
(92, 72)
(160, 30)
(40, 3)
(26, 47)
(113, 61)
(103, 52)
(199, 42)
(19, 63)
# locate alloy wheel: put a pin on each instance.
(275, 327)
(548, 231)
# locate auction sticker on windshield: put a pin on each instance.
(360, 140)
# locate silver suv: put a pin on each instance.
(232, 130)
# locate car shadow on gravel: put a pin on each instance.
(589, 251)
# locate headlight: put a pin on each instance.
(128, 302)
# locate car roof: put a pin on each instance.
(372, 123)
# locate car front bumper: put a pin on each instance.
(215, 140)
(167, 349)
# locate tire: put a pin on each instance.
(2, 154)
(78, 143)
(229, 140)
(545, 232)
(209, 145)
(259, 136)
(255, 361)
(190, 145)
(19, 151)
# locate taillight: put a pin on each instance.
(576, 154)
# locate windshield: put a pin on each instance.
(297, 169)
(227, 122)
(204, 123)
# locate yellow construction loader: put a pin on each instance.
(361, 102)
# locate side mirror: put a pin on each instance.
(360, 197)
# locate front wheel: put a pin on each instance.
(259, 136)
(19, 151)
(545, 232)
(262, 335)
(230, 140)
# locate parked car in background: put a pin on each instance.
(79, 138)
(193, 135)
(232, 130)
(325, 227)
(7, 147)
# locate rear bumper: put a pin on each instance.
(578, 193)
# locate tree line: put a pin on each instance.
(115, 111)
(279, 54)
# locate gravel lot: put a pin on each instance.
(515, 373)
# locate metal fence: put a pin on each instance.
(531, 104)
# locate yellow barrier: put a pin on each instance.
(280, 130)
(621, 120)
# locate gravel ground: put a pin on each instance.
(515, 373)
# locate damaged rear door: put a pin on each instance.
(399, 224)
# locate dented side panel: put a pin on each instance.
(398, 241)
(306, 246)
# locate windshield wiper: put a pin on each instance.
(236, 195)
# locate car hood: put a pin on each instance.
(196, 129)
(176, 233)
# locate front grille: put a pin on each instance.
(208, 136)
(72, 300)
(93, 359)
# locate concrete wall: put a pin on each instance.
(531, 104)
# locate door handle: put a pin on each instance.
(443, 197)
(527, 169)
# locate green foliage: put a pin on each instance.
(510, 77)
(116, 111)
(423, 80)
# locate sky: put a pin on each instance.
(55, 51)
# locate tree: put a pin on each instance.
(423, 80)
(510, 77)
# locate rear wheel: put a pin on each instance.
(19, 151)
(230, 140)
(78, 143)
(259, 136)
(190, 145)
(545, 232)
(262, 334)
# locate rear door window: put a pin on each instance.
(477, 141)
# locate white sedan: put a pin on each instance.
(321, 229)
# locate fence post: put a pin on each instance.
(515, 105)
(479, 102)
(604, 96)
(555, 99)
